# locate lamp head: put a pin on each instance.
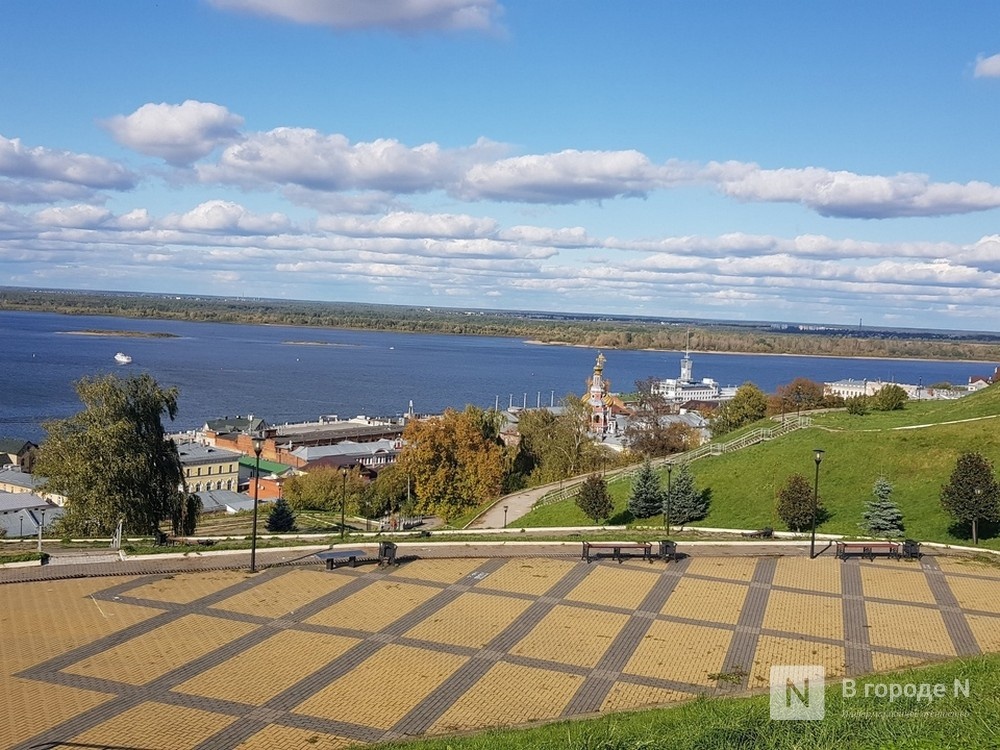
(818, 452)
(343, 472)
(258, 444)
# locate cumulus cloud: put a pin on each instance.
(410, 224)
(397, 15)
(988, 67)
(78, 217)
(177, 133)
(224, 217)
(20, 162)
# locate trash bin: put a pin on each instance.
(386, 553)
(668, 550)
(911, 549)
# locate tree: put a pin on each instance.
(112, 461)
(858, 405)
(972, 494)
(686, 502)
(747, 406)
(889, 398)
(324, 488)
(801, 393)
(648, 432)
(456, 461)
(593, 498)
(646, 499)
(281, 517)
(795, 503)
(882, 517)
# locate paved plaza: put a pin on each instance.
(298, 656)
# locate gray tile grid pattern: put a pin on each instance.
(589, 697)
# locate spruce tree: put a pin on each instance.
(281, 518)
(882, 516)
(594, 499)
(646, 499)
(686, 502)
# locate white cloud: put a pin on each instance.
(410, 224)
(20, 162)
(79, 216)
(177, 133)
(397, 15)
(221, 217)
(988, 67)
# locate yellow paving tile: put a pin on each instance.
(442, 571)
(500, 699)
(625, 696)
(156, 726)
(381, 602)
(41, 620)
(590, 634)
(975, 593)
(261, 672)
(912, 628)
(712, 601)
(528, 576)
(986, 630)
(971, 565)
(676, 651)
(821, 574)
(30, 707)
(883, 662)
(615, 586)
(279, 596)
(146, 657)
(892, 579)
(277, 737)
(821, 616)
(384, 688)
(729, 568)
(471, 620)
(184, 588)
(772, 651)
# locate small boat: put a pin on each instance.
(122, 359)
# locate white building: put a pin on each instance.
(686, 388)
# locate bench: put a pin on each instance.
(759, 534)
(868, 549)
(616, 549)
(334, 556)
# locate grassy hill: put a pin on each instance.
(915, 448)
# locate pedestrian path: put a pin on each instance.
(297, 656)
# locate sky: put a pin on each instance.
(823, 162)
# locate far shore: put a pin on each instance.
(536, 342)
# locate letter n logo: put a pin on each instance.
(798, 692)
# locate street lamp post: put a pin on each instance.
(40, 527)
(817, 456)
(505, 516)
(343, 500)
(666, 512)
(258, 446)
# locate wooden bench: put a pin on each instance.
(616, 549)
(868, 549)
(334, 556)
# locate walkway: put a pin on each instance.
(297, 656)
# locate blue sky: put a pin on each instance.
(819, 162)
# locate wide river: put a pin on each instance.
(288, 374)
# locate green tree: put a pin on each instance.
(324, 488)
(972, 494)
(593, 498)
(795, 503)
(648, 433)
(281, 517)
(747, 406)
(800, 394)
(882, 516)
(858, 405)
(646, 499)
(112, 460)
(889, 398)
(687, 504)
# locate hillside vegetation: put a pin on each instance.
(915, 449)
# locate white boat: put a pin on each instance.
(122, 359)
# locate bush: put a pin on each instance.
(594, 499)
(795, 503)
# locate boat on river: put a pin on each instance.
(123, 359)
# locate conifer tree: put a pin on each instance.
(882, 516)
(686, 502)
(281, 518)
(972, 495)
(594, 499)
(646, 499)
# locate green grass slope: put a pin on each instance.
(915, 448)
